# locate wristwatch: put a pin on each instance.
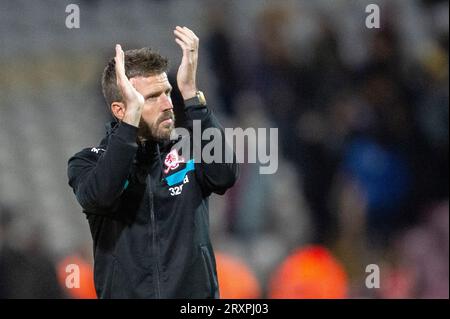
(198, 99)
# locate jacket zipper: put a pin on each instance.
(154, 245)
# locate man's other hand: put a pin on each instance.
(187, 72)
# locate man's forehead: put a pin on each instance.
(152, 82)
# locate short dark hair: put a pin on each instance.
(138, 62)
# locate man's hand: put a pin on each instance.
(134, 101)
(187, 72)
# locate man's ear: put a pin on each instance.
(118, 110)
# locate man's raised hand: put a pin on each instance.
(134, 101)
(187, 72)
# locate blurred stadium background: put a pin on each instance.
(363, 123)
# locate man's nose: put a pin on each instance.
(166, 103)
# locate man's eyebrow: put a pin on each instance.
(157, 93)
(151, 94)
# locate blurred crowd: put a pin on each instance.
(363, 162)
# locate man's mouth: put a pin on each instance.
(167, 120)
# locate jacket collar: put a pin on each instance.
(111, 126)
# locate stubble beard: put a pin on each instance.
(156, 131)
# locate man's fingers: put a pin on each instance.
(184, 46)
(123, 57)
(185, 38)
(181, 44)
(191, 33)
(119, 55)
(181, 29)
(186, 30)
(118, 58)
(120, 65)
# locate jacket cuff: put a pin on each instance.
(127, 132)
(196, 112)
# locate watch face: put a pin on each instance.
(201, 97)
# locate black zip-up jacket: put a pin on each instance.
(149, 223)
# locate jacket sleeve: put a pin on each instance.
(215, 177)
(98, 177)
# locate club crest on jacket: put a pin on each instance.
(173, 160)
